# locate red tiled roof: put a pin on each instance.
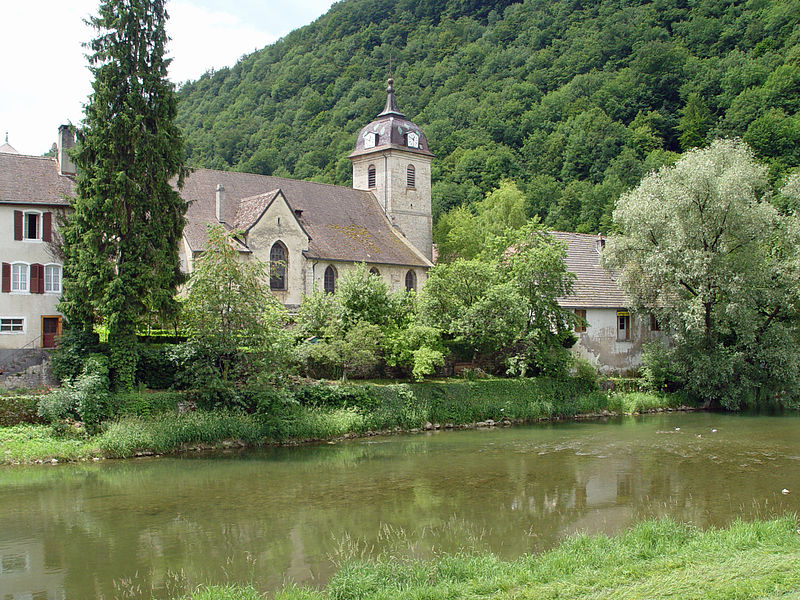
(33, 180)
(594, 287)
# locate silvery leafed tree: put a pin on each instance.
(121, 242)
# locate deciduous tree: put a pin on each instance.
(702, 248)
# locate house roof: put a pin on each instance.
(594, 286)
(343, 224)
(33, 180)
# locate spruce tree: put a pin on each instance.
(121, 242)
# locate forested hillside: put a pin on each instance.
(572, 100)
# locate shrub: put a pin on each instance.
(19, 408)
(157, 366)
(87, 397)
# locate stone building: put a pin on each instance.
(312, 232)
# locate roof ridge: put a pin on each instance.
(258, 175)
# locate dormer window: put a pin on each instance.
(370, 139)
(371, 177)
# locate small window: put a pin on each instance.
(411, 176)
(654, 324)
(580, 326)
(32, 227)
(19, 277)
(623, 326)
(411, 281)
(12, 325)
(371, 177)
(374, 271)
(277, 267)
(52, 279)
(329, 280)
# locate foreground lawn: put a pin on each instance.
(656, 559)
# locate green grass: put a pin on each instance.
(656, 559)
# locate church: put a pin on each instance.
(312, 233)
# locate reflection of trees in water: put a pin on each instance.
(293, 512)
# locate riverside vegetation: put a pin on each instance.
(149, 423)
(655, 559)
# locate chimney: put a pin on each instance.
(600, 243)
(66, 140)
(220, 203)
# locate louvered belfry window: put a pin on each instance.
(411, 176)
(371, 176)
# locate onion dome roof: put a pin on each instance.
(391, 129)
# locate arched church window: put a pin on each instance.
(411, 281)
(374, 271)
(371, 176)
(411, 176)
(329, 280)
(277, 266)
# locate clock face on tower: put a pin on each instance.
(369, 140)
(412, 140)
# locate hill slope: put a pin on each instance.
(573, 100)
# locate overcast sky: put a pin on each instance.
(44, 79)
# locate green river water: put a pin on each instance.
(158, 527)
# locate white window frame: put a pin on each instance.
(11, 331)
(50, 267)
(18, 290)
(39, 226)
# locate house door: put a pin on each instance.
(51, 329)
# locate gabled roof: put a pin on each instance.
(594, 287)
(33, 180)
(344, 224)
(250, 209)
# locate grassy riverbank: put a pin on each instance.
(656, 559)
(320, 412)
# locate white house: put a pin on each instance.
(33, 191)
(612, 337)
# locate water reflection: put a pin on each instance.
(159, 527)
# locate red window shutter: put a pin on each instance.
(47, 227)
(17, 224)
(37, 279)
(6, 277)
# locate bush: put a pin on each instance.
(147, 403)
(157, 366)
(86, 398)
(19, 408)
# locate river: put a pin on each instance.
(160, 526)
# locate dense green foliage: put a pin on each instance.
(121, 242)
(235, 326)
(703, 249)
(500, 307)
(573, 101)
(654, 559)
(362, 328)
(18, 408)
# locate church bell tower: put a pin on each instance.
(391, 159)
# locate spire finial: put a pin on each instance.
(391, 103)
(6, 137)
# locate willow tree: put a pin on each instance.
(121, 242)
(703, 249)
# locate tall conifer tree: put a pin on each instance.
(121, 242)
